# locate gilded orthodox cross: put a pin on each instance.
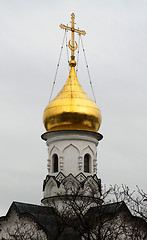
(72, 44)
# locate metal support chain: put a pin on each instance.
(77, 65)
(57, 67)
(88, 70)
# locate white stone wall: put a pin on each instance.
(71, 148)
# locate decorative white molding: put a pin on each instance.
(60, 177)
(49, 165)
(71, 146)
(70, 185)
(71, 137)
(80, 163)
(86, 150)
(81, 177)
(61, 163)
(53, 150)
(94, 166)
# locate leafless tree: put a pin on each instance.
(135, 200)
(94, 221)
(22, 229)
(119, 214)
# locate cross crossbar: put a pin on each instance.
(72, 43)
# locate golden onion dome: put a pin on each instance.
(72, 109)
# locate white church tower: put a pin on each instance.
(72, 121)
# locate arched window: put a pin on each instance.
(55, 162)
(87, 163)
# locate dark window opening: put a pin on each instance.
(87, 163)
(55, 163)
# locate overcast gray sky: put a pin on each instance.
(30, 42)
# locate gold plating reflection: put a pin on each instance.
(72, 109)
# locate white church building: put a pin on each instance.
(71, 189)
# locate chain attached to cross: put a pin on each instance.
(72, 44)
